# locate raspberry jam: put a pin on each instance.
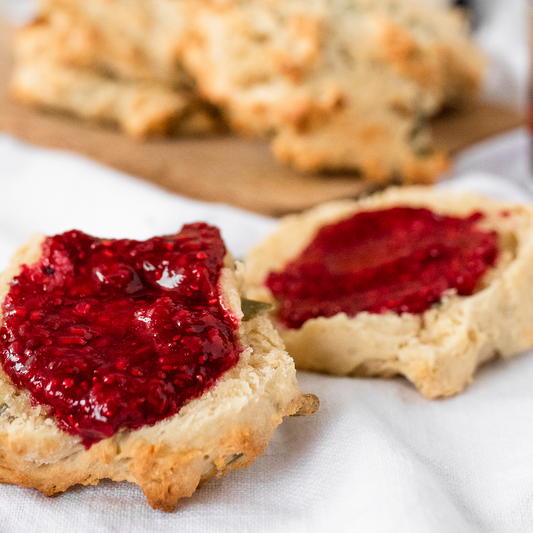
(115, 334)
(400, 259)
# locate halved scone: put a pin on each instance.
(435, 334)
(133, 361)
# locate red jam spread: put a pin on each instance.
(400, 259)
(115, 334)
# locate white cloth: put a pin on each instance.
(376, 457)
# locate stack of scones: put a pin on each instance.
(336, 85)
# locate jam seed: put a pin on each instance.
(72, 341)
(77, 331)
(82, 308)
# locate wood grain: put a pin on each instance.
(219, 169)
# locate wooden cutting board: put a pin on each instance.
(220, 169)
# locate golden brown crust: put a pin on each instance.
(224, 429)
(439, 350)
(48, 74)
(135, 39)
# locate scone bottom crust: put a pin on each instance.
(401, 259)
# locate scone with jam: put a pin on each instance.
(132, 361)
(412, 281)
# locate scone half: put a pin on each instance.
(437, 350)
(225, 428)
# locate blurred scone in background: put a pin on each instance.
(336, 85)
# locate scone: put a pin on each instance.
(414, 281)
(58, 67)
(146, 45)
(132, 361)
(337, 84)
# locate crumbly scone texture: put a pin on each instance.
(438, 350)
(224, 429)
(339, 84)
(50, 73)
(146, 44)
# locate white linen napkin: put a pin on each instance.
(376, 457)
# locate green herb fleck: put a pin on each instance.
(252, 308)
(236, 457)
